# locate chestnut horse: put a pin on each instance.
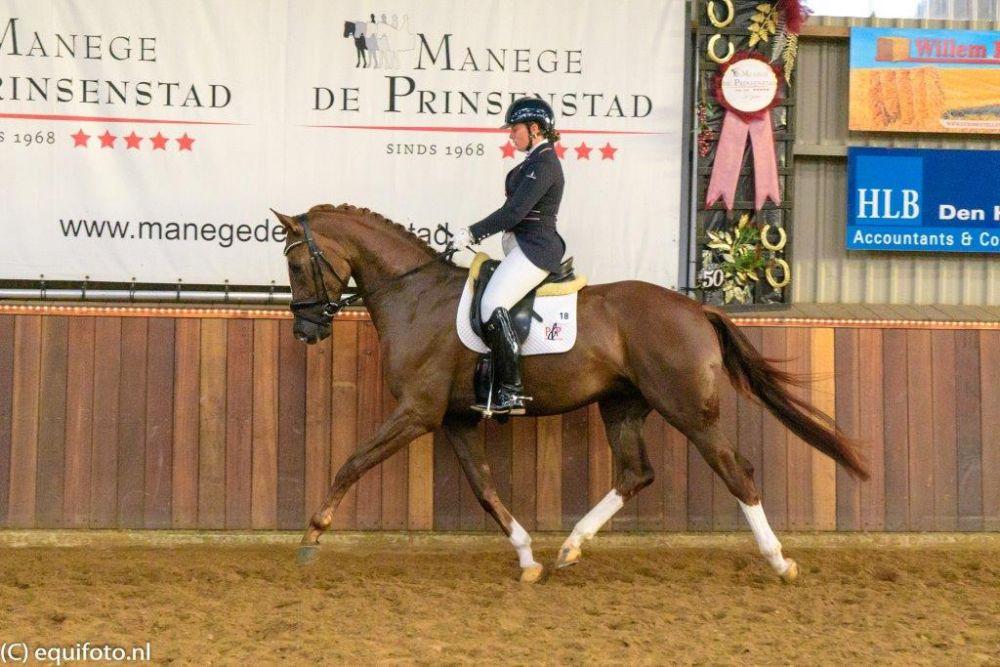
(639, 347)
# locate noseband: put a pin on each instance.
(306, 308)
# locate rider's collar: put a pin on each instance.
(535, 148)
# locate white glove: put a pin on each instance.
(463, 238)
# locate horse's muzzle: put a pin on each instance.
(311, 332)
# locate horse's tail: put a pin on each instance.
(751, 372)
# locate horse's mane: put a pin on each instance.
(400, 230)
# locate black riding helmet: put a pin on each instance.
(528, 110)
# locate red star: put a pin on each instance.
(107, 139)
(583, 151)
(132, 140)
(560, 149)
(508, 150)
(608, 152)
(185, 142)
(159, 141)
(80, 139)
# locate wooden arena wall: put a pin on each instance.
(145, 418)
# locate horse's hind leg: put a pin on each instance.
(737, 473)
(682, 384)
(623, 420)
(691, 403)
(471, 454)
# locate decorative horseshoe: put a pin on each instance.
(786, 278)
(782, 238)
(713, 54)
(730, 14)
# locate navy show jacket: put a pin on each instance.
(534, 190)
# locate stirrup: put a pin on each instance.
(494, 411)
(492, 408)
(488, 411)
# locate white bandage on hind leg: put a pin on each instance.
(601, 513)
(522, 543)
(768, 542)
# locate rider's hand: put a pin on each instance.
(463, 238)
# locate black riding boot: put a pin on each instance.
(498, 333)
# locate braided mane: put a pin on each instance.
(402, 231)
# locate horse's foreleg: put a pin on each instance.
(402, 427)
(471, 454)
(623, 420)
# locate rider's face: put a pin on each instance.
(519, 136)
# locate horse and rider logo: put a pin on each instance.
(379, 43)
(554, 332)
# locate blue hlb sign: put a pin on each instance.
(923, 200)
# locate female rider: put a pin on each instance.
(531, 243)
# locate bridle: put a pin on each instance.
(320, 309)
(326, 307)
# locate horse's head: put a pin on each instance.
(317, 275)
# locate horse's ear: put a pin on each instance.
(290, 224)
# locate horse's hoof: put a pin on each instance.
(532, 573)
(791, 573)
(308, 553)
(568, 555)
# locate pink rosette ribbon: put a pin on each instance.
(747, 87)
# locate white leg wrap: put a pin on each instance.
(768, 542)
(522, 543)
(601, 513)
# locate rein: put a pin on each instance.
(317, 259)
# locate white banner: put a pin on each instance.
(146, 140)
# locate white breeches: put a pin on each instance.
(515, 277)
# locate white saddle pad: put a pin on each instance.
(555, 333)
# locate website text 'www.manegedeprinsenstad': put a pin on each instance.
(223, 234)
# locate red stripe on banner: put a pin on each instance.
(111, 119)
(442, 128)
